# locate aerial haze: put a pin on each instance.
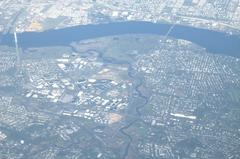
(91, 79)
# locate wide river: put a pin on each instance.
(213, 41)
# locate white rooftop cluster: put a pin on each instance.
(2, 136)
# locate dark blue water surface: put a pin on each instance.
(213, 41)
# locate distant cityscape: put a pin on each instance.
(119, 95)
(22, 16)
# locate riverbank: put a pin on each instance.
(214, 42)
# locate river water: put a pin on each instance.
(213, 41)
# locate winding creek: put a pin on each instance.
(214, 42)
(138, 83)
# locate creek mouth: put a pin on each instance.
(214, 42)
